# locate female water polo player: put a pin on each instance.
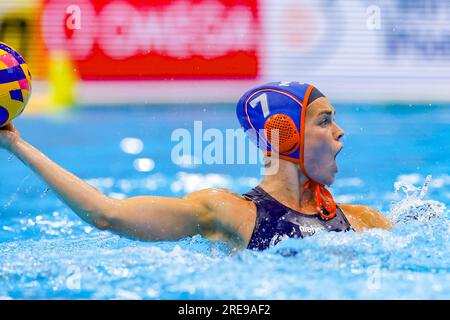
(292, 202)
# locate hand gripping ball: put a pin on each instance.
(15, 84)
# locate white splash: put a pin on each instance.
(413, 206)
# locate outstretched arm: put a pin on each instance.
(146, 218)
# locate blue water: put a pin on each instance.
(46, 251)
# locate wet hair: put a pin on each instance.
(314, 95)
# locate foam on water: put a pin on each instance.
(413, 206)
(64, 258)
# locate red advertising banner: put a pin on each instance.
(157, 39)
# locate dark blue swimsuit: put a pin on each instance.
(275, 221)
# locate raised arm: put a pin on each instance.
(145, 218)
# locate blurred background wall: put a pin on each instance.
(100, 52)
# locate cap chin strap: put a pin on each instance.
(324, 200)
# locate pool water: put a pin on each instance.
(46, 251)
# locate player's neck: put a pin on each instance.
(286, 186)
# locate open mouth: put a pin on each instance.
(338, 152)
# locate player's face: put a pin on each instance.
(322, 141)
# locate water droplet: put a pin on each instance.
(44, 193)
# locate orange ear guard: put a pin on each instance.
(288, 138)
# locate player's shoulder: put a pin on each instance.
(364, 217)
(213, 197)
(212, 192)
(234, 215)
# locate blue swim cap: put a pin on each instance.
(277, 105)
